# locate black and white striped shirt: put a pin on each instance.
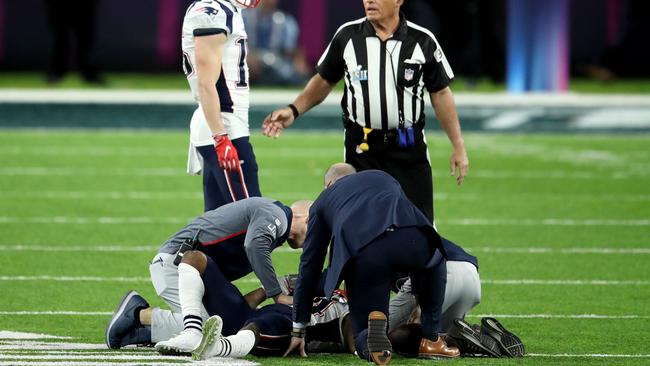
(411, 58)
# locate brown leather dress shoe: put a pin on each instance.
(436, 349)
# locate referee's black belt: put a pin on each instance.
(380, 136)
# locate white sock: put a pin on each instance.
(190, 293)
(238, 345)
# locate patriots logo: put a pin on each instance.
(210, 11)
(206, 9)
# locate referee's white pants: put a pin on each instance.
(165, 324)
(462, 293)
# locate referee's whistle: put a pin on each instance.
(364, 145)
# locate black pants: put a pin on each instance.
(369, 275)
(76, 19)
(409, 166)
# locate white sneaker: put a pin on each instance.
(210, 345)
(183, 344)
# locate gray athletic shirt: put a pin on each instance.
(261, 220)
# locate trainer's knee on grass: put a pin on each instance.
(196, 259)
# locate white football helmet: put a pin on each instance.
(249, 4)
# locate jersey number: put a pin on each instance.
(187, 65)
(243, 46)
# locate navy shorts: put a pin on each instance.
(274, 323)
(220, 187)
(224, 299)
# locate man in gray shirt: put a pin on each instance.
(193, 271)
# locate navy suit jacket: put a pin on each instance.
(350, 214)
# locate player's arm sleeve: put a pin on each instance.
(331, 65)
(311, 265)
(261, 233)
(437, 72)
(210, 19)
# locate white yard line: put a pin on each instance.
(153, 362)
(543, 222)
(180, 172)
(149, 195)
(213, 362)
(565, 282)
(106, 356)
(587, 355)
(50, 346)
(79, 248)
(577, 250)
(596, 282)
(74, 279)
(102, 248)
(7, 334)
(255, 280)
(129, 195)
(74, 313)
(69, 220)
(154, 249)
(559, 316)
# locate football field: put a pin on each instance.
(560, 224)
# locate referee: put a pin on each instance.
(387, 63)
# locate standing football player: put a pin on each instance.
(214, 60)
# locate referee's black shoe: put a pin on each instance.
(472, 342)
(380, 351)
(509, 344)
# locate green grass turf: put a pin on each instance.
(517, 180)
(157, 81)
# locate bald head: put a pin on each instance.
(299, 222)
(301, 208)
(338, 171)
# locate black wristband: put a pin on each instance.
(294, 110)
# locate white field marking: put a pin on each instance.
(286, 172)
(115, 195)
(131, 195)
(559, 316)
(274, 98)
(84, 356)
(78, 248)
(50, 346)
(74, 279)
(7, 334)
(565, 282)
(255, 280)
(439, 196)
(283, 249)
(107, 313)
(111, 151)
(613, 118)
(73, 313)
(510, 119)
(211, 362)
(542, 222)
(105, 248)
(586, 355)
(94, 220)
(136, 172)
(536, 250)
(153, 362)
(67, 220)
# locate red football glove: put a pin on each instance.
(226, 153)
